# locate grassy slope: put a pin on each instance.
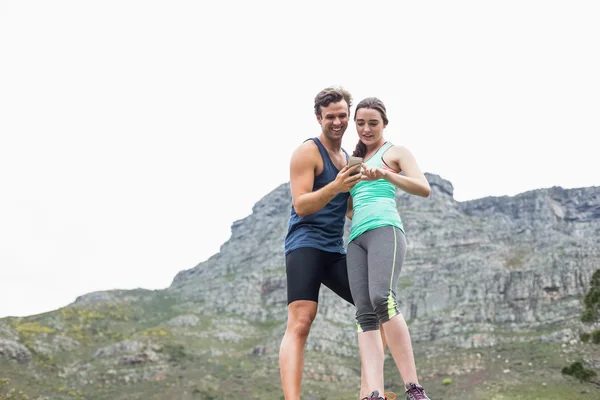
(195, 364)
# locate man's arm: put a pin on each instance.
(302, 177)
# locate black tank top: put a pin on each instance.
(324, 229)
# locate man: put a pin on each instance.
(314, 246)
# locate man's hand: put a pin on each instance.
(344, 181)
(372, 174)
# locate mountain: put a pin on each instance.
(492, 289)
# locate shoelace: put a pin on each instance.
(417, 392)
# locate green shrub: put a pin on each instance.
(587, 316)
(585, 337)
(591, 300)
(596, 336)
(175, 352)
(578, 371)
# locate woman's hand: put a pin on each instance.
(372, 173)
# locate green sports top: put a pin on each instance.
(374, 202)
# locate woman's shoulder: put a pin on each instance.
(393, 156)
(396, 149)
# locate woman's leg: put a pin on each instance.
(401, 348)
(369, 336)
(386, 250)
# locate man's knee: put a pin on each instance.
(299, 326)
(301, 317)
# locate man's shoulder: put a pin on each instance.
(308, 145)
(308, 149)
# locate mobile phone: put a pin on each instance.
(352, 161)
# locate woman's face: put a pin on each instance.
(369, 126)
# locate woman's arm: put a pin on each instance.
(401, 159)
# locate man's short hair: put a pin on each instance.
(331, 95)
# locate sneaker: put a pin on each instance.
(415, 392)
(374, 396)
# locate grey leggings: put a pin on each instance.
(374, 262)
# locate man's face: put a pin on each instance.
(334, 120)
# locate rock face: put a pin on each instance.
(12, 350)
(474, 270)
(247, 277)
(505, 275)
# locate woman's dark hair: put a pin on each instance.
(375, 104)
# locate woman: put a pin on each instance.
(377, 247)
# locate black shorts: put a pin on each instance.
(307, 267)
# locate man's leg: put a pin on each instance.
(304, 272)
(301, 314)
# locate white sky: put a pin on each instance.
(133, 133)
